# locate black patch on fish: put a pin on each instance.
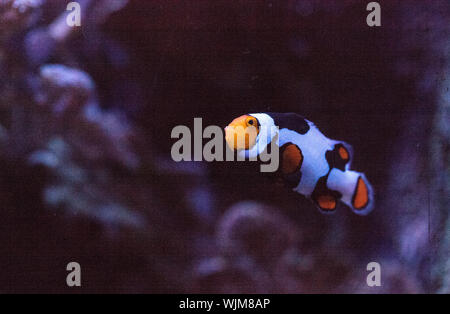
(334, 159)
(291, 121)
(322, 189)
(293, 179)
(290, 180)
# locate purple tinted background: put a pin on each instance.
(222, 227)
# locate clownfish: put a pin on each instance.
(309, 162)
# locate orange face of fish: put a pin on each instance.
(241, 133)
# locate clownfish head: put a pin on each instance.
(242, 132)
(250, 132)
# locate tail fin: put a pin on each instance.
(357, 193)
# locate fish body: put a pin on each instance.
(310, 163)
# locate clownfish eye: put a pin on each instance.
(252, 122)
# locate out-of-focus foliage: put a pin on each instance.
(86, 173)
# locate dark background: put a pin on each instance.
(86, 173)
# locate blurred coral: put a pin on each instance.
(17, 15)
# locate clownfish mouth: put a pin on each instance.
(242, 133)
